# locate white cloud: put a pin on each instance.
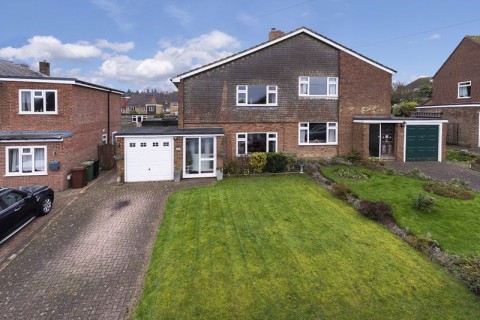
(183, 17)
(48, 47)
(115, 11)
(115, 46)
(170, 61)
(435, 36)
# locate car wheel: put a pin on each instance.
(45, 205)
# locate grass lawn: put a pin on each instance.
(455, 224)
(283, 248)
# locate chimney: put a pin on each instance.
(44, 67)
(275, 34)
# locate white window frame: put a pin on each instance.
(136, 118)
(104, 138)
(245, 139)
(32, 101)
(114, 139)
(464, 84)
(153, 107)
(20, 159)
(305, 80)
(305, 126)
(269, 89)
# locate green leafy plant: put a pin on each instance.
(351, 174)
(422, 243)
(280, 162)
(341, 190)
(231, 167)
(459, 182)
(404, 109)
(417, 174)
(258, 160)
(449, 190)
(423, 202)
(353, 156)
(378, 211)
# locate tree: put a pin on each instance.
(404, 109)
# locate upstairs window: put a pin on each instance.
(256, 95)
(151, 108)
(38, 101)
(464, 89)
(317, 133)
(318, 87)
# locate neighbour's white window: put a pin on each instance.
(464, 89)
(138, 118)
(318, 87)
(256, 95)
(256, 142)
(38, 101)
(151, 108)
(317, 133)
(26, 161)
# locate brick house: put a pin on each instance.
(456, 93)
(48, 125)
(298, 92)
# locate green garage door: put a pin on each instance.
(422, 143)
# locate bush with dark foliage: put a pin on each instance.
(378, 211)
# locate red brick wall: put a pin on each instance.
(462, 65)
(364, 90)
(80, 109)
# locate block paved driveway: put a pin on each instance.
(89, 261)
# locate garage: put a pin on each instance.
(148, 159)
(422, 143)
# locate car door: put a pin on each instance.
(17, 207)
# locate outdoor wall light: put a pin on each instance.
(403, 124)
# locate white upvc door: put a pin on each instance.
(199, 157)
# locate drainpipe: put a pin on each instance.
(108, 116)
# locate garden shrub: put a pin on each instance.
(351, 174)
(459, 182)
(280, 162)
(460, 156)
(258, 160)
(231, 167)
(417, 174)
(468, 269)
(449, 190)
(423, 202)
(378, 211)
(373, 163)
(422, 243)
(353, 156)
(341, 190)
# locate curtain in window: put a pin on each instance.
(39, 156)
(26, 101)
(13, 160)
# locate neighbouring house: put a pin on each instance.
(298, 92)
(48, 125)
(456, 93)
(143, 106)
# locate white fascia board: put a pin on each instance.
(436, 121)
(267, 44)
(473, 105)
(167, 136)
(35, 140)
(58, 81)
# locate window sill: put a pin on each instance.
(38, 113)
(257, 105)
(464, 97)
(318, 97)
(26, 174)
(319, 144)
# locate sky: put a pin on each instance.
(142, 44)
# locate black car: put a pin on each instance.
(20, 206)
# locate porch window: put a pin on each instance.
(200, 156)
(256, 142)
(38, 101)
(317, 133)
(26, 161)
(464, 89)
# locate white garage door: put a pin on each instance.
(148, 159)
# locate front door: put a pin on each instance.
(382, 140)
(200, 157)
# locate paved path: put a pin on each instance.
(443, 171)
(90, 259)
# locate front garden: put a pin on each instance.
(283, 247)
